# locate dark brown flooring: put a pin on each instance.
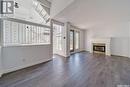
(80, 70)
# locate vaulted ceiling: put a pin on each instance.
(88, 13)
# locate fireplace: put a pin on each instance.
(101, 45)
(99, 48)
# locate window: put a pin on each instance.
(22, 34)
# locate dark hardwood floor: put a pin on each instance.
(80, 70)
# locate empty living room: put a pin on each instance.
(64, 43)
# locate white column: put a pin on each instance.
(108, 50)
(67, 39)
(1, 40)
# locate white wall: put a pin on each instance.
(14, 58)
(82, 40)
(118, 31)
(120, 46)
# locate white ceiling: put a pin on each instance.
(88, 13)
(50, 0)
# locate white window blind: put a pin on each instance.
(15, 33)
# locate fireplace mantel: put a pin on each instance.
(106, 41)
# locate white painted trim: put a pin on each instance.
(21, 45)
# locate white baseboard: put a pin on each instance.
(120, 55)
(24, 66)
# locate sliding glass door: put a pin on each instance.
(74, 40)
(77, 40)
(58, 40)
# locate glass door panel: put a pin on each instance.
(71, 40)
(77, 40)
(58, 39)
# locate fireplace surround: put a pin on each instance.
(102, 44)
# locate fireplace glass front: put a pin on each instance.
(99, 47)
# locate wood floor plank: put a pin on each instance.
(79, 70)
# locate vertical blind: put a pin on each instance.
(15, 33)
